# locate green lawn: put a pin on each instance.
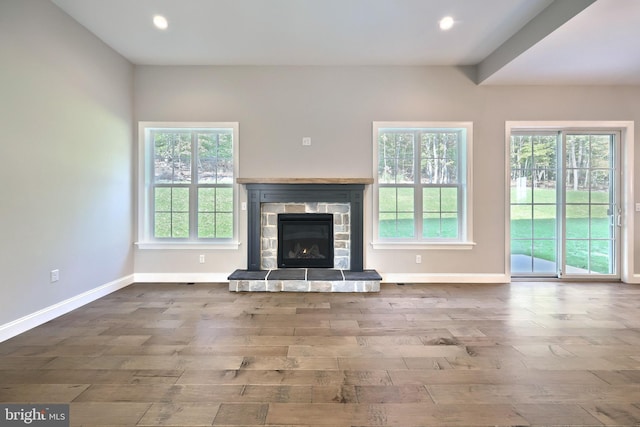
(439, 206)
(537, 225)
(215, 212)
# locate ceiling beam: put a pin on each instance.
(546, 22)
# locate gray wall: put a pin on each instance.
(66, 153)
(335, 106)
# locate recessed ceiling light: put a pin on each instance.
(446, 23)
(160, 22)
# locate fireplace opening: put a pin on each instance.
(305, 240)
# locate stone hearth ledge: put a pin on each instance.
(304, 280)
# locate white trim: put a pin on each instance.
(507, 197)
(182, 277)
(187, 245)
(30, 321)
(423, 245)
(444, 278)
(627, 265)
(627, 245)
(634, 280)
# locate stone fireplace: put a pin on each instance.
(339, 199)
(304, 196)
(270, 234)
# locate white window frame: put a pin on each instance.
(145, 188)
(465, 221)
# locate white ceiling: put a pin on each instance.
(508, 41)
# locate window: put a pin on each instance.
(422, 182)
(189, 190)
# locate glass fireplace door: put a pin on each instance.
(305, 240)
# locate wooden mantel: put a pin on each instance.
(304, 180)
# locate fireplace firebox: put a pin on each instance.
(305, 240)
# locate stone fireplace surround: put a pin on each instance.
(285, 191)
(269, 230)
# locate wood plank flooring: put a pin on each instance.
(540, 353)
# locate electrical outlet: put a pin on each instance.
(418, 259)
(54, 275)
(201, 258)
(306, 141)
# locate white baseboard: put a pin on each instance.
(30, 321)
(386, 277)
(181, 277)
(443, 278)
(632, 280)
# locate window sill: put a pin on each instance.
(187, 245)
(424, 245)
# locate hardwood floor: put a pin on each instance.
(414, 355)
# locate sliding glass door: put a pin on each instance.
(564, 204)
(591, 209)
(534, 204)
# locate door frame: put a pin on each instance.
(626, 129)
